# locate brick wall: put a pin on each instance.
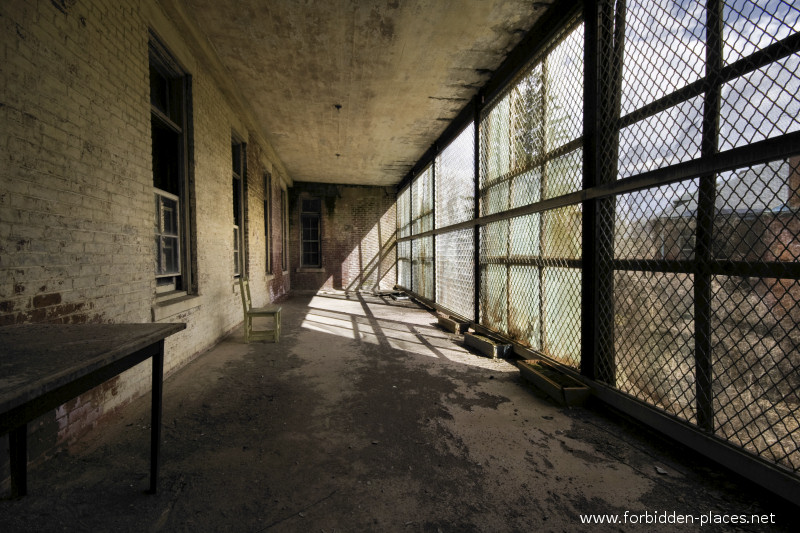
(76, 188)
(276, 282)
(358, 238)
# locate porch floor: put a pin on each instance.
(366, 417)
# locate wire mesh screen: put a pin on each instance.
(754, 365)
(703, 309)
(455, 271)
(455, 180)
(422, 202)
(404, 230)
(531, 151)
(455, 202)
(422, 268)
(763, 101)
(535, 128)
(493, 275)
(692, 205)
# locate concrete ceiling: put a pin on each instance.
(354, 92)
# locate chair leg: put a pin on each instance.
(247, 327)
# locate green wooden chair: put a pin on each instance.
(273, 311)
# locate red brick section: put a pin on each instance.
(358, 237)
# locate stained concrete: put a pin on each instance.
(366, 417)
(399, 71)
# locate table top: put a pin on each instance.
(38, 358)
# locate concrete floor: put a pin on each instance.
(365, 417)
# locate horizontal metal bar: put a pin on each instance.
(766, 56)
(545, 205)
(654, 265)
(760, 471)
(755, 269)
(748, 269)
(743, 156)
(539, 161)
(543, 262)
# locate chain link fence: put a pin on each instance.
(530, 265)
(648, 237)
(455, 203)
(704, 314)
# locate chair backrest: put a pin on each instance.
(244, 290)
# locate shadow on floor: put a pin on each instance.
(366, 417)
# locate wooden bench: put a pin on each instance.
(250, 312)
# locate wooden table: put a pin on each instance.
(43, 366)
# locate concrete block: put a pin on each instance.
(485, 345)
(453, 325)
(561, 387)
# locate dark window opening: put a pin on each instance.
(310, 232)
(237, 157)
(284, 230)
(268, 220)
(169, 90)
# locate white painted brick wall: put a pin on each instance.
(76, 204)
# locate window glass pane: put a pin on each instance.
(236, 158)
(166, 152)
(169, 216)
(167, 255)
(159, 90)
(236, 251)
(237, 195)
(310, 235)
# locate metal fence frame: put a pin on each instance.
(604, 24)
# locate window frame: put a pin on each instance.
(268, 221)
(172, 114)
(314, 217)
(238, 179)
(284, 230)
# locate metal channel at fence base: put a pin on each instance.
(745, 464)
(519, 349)
(433, 305)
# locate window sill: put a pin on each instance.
(172, 303)
(310, 269)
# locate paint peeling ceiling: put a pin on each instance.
(354, 92)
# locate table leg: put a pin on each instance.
(155, 416)
(18, 456)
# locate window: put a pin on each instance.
(268, 219)
(238, 158)
(169, 119)
(310, 210)
(284, 231)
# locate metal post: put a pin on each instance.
(476, 236)
(433, 222)
(608, 30)
(705, 221)
(591, 90)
